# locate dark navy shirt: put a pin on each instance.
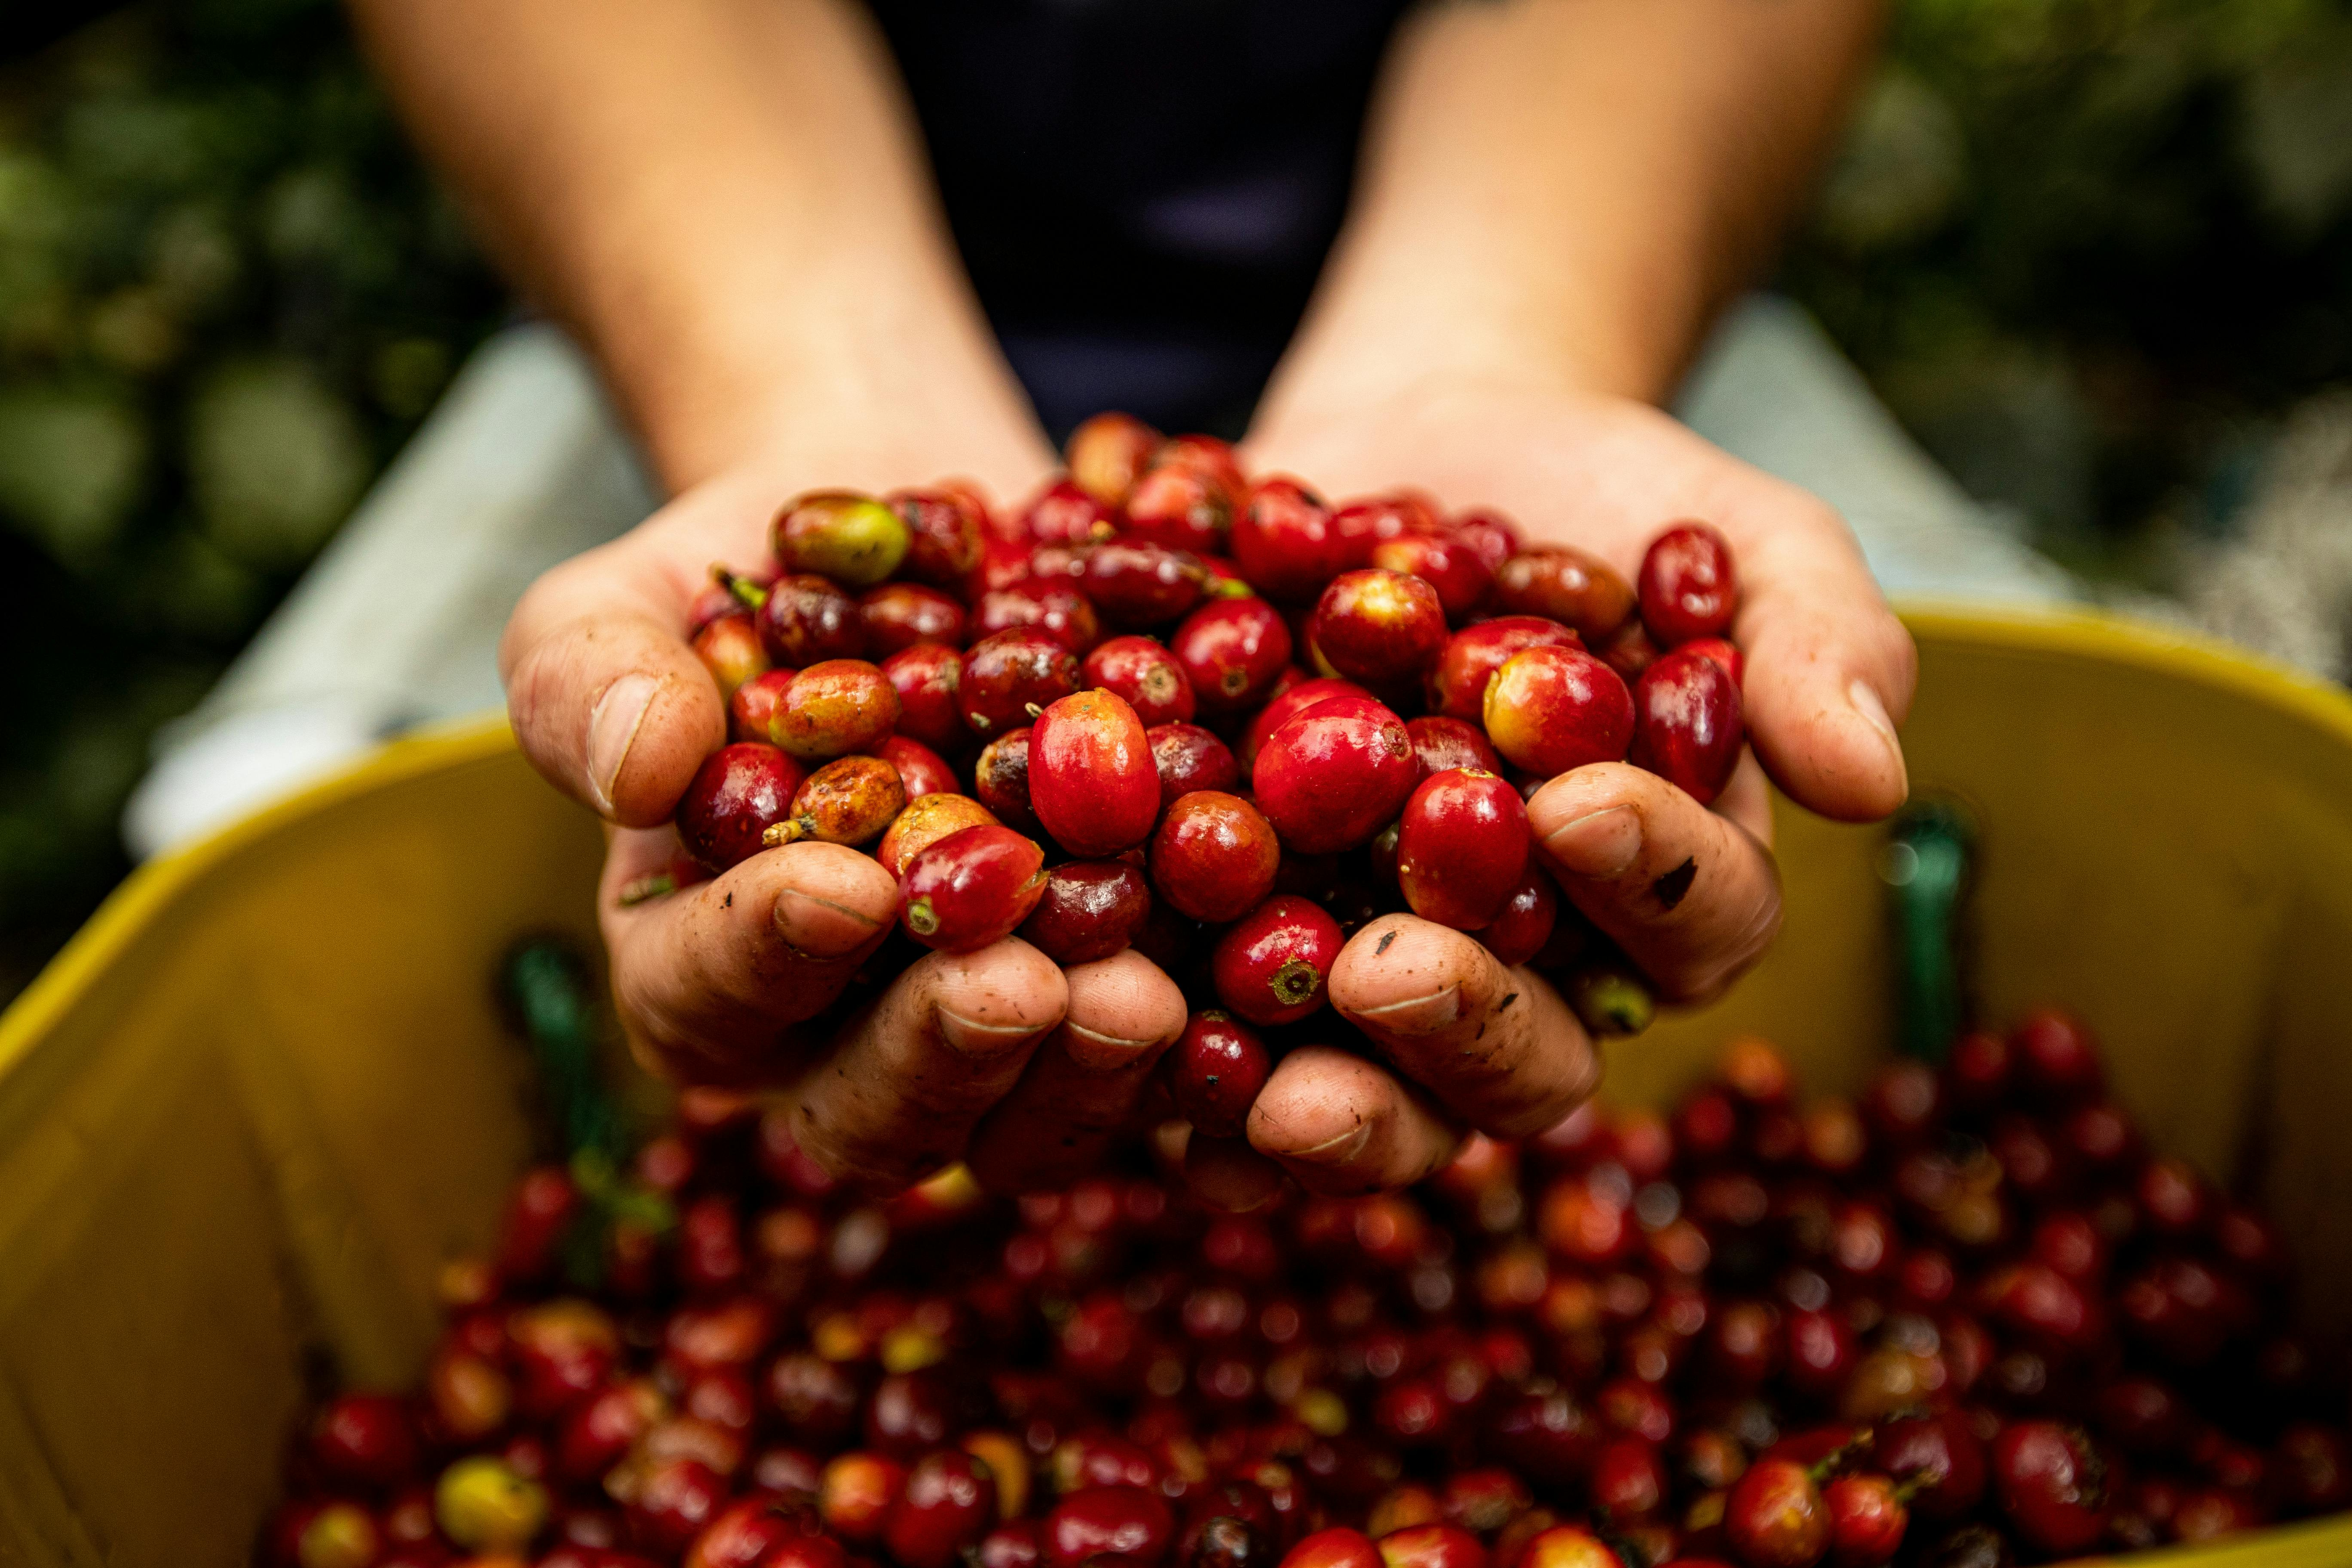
(1143, 190)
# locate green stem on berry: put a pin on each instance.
(748, 592)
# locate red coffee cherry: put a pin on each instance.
(1494, 537)
(850, 799)
(1550, 709)
(1462, 848)
(1270, 968)
(920, 769)
(1107, 453)
(739, 792)
(1286, 704)
(1051, 604)
(729, 648)
(900, 614)
(1520, 930)
(1440, 744)
(805, 620)
(1089, 911)
(947, 1504)
(1562, 583)
(1335, 774)
(1687, 726)
(1214, 856)
(1136, 582)
(1734, 662)
(753, 706)
(1092, 779)
(1127, 1523)
(1214, 1071)
(945, 530)
(971, 888)
(927, 679)
(1000, 779)
(365, 1437)
(1452, 566)
(1775, 1517)
(1687, 586)
(1432, 1546)
(1190, 758)
(1233, 651)
(1285, 543)
(1008, 674)
(1061, 513)
(1382, 628)
(1334, 1548)
(1144, 675)
(925, 822)
(1868, 1519)
(833, 708)
(1457, 683)
(1182, 507)
(2052, 1485)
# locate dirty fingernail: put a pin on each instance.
(613, 727)
(1098, 1052)
(1873, 713)
(975, 1038)
(1335, 1151)
(1600, 844)
(1415, 1015)
(821, 928)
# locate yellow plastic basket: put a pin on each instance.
(253, 1106)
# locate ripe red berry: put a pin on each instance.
(1088, 910)
(1335, 774)
(947, 1504)
(2056, 1055)
(1572, 1546)
(971, 888)
(1061, 513)
(2052, 1485)
(1551, 709)
(1942, 1450)
(1734, 662)
(1462, 848)
(1233, 650)
(1107, 453)
(753, 706)
(1294, 697)
(729, 648)
(1524, 924)
(366, 1439)
(1432, 1546)
(1006, 675)
(1284, 542)
(1687, 726)
(835, 707)
(1144, 675)
(898, 615)
(1562, 583)
(1687, 586)
(1181, 506)
(1457, 682)
(1214, 856)
(1867, 1519)
(1775, 1517)
(1124, 1523)
(1136, 582)
(739, 792)
(927, 679)
(944, 531)
(1190, 758)
(1270, 968)
(1335, 1547)
(1051, 604)
(920, 770)
(1440, 744)
(1214, 1071)
(1452, 566)
(925, 822)
(1382, 628)
(806, 619)
(855, 1493)
(1092, 779)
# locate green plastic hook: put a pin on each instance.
(1928, 866)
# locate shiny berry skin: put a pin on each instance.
(1382, 628)
(1135, 583)
(1630, 652)
(928, 677)
(900, 614)
(944, 533)
(1144, 675)
(1009, 673)
(729, 648)
(805, 620)
(947, 1504)
(2052, 1485)
(1290, 701)
(1214, 856)
(1728, 655)
(1457, 682)
(1012, 1545)
(1432, 1546)
(854, 540)
(1775, 1517)
(1233, 651)
(1334, 1548)
(1270, 968)
(1181, 507)
(1494, 537)
(1190, 758)
(833, 708)
(1335, 774)
(1285, 544)
(1939, 1444)
(1214, 1071)
(1867, 1520)
(920, 770)
(972, 888)
(743, 1535)
(1572, 1546)
(1550, 709)
(1462, 847)
(1127, 1523)
(2056, 1055)
(1452, 566)
(1687, 585)
(1107, 453)
(1688, 727)
(366, 1439)
(753, 706)
(1524, 924)
(1053, 606)
(1565, 585)
(850, 799)
(855, 1494)
(597, 1435)
(2313, 1467)
(1092, 779)
(1440, 744)
(1088, 910)
(1063, 514)
(926, 820)
(1000, 779)
(739, 792)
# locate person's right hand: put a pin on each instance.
(739, 980)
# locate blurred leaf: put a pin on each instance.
(70, 467)
(275, 460)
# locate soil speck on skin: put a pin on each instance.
(728, 902)
(1507, 1000)
(1386, 938)
(1675, 884)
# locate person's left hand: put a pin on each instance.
(1689, 893)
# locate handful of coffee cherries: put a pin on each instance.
(1214, 717)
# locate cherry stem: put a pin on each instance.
(1829, 1464)
(790, 831)
(922, 919)
(748, 592)
(1294, 982)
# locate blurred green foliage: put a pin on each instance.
(227, 293)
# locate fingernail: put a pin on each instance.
(1099, 1052)
(1873, 713)
(1602, 843)
(613, 729)
(1417, 1015)
(1337, 1150)
(975, 1038)
(821, 928)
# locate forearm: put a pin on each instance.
(726, 201)
(1564, 191)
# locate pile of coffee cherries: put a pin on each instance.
(1215, 718)
(1965, 1320)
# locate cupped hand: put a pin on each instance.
(749, 979)
(1690, 893)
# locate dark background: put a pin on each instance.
(2093, 252)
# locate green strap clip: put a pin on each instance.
(1927, 865)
